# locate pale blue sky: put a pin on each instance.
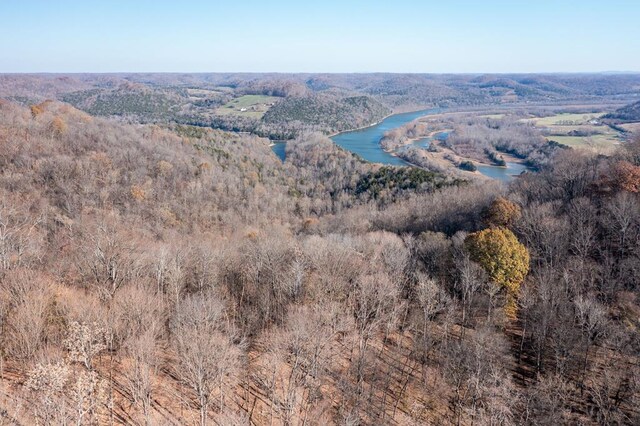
(319, 36)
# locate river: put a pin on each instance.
(366, 143)
(504, 174)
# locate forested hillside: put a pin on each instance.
(170, 274)
(325, 114)
(629, 113)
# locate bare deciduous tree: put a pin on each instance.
(108, 259)
(142, 372)
(208, 359)
(30, 296)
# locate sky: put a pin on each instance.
(413, 36)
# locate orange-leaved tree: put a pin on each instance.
(627, 176)
(501, 212)
(57, 126)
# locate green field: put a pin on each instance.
(559, 128)
(603, 144)
(248, 106)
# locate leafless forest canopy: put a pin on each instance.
(159, 265)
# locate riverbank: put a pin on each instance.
(365, 142)
(332, 135)
(446, 161)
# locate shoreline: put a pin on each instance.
(451, 167)
(332, 135)
(454, 170)
(508, 158)
(362, 127)
(416, 139)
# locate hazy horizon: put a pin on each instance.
(460, 37)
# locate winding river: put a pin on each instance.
(366, 143)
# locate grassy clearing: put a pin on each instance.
(603, 144)
(578, 131)
(248, 106)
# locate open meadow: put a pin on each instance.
(579, 130)
(253, 106)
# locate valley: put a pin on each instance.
(251, 249)
(340, 213)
